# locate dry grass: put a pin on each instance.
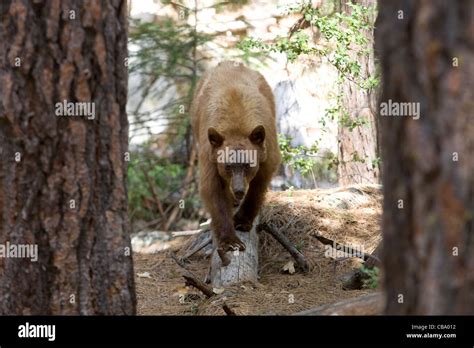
(349, 216)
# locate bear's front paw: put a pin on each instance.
(229, 243)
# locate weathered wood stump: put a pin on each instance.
(243, 264)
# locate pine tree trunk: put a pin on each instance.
(63, 178)
(357, 148)
(427, 55)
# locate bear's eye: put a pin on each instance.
(228, 167)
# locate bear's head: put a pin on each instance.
(238, 158)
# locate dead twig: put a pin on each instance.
(285, 242)
(178, 260)
(355, 280)
(185, 233)
(192, 280)
(207, 240)
(347, 249)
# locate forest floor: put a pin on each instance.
(350, 216)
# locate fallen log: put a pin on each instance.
(371, 304)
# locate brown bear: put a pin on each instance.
(233, 120)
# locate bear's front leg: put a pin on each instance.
(248, 211)
(228, 242)
(219, 203)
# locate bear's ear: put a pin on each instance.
(258, 135)
(214, 137)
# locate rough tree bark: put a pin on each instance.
(361, 142)
(63, 179)
(426, 50)
(243, 264)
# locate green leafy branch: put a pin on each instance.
(301, 158)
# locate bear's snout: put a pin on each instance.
(238, 186)
(239, 194)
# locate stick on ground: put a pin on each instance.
(192, 280)
(285, 242)
(185, 233)
(207, 240)
(347, 249)
(355, 280)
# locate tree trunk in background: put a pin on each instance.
(361, 142)
(428, 163)
(63, 179)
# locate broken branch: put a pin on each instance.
(192, 280)
(185, 233)
(207, 240)
(285, 242)
(347, 249)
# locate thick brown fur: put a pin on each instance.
(233, 107)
